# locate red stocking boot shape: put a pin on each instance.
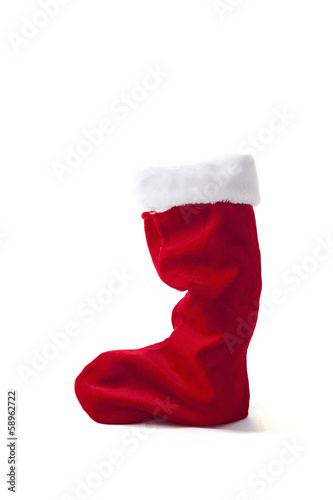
(201, 234)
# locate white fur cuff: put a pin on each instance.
(230, 178)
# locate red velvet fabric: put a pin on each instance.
(197, 376)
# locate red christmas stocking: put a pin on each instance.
(201, 233)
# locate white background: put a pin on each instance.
(227, 76)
